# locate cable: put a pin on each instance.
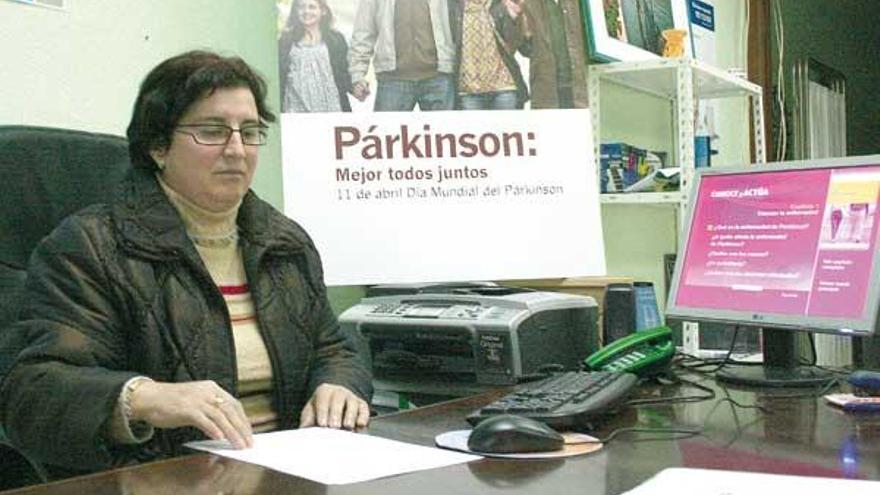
(836, 371)
(734, 403)
(688, 362)
(677, 433)
(816, 393)
(710, 394)
(725, 361)
(743, 406)
(544, 371)
(684, 362)
(813, 363)
(815, 356)
(780, 81)
(740, 428)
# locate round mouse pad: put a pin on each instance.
(575, 444)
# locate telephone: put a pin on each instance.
(645, 353)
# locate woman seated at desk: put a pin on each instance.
(188, 308)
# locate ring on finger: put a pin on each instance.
(218, 400)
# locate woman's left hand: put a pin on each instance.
(513, 8)
(336, 407)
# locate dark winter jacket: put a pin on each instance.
(551, 73)
(119, 290)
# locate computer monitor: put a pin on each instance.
(786, 247)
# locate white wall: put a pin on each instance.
(731, 40)
(80, 67)
(637, 237)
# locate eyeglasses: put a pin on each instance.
(219, 134)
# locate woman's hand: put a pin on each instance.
(335, 406)
(361, 90)
(513, 8)
(203, 405)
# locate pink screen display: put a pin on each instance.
(793, 242)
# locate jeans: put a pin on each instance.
(495, 100)
(436, 93)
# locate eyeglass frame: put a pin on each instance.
(230, 130)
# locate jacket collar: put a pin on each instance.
(147, 222)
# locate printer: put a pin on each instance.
(491, 335)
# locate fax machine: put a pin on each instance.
(500, 338)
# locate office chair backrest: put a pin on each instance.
(45, 175)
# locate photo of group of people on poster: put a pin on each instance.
(849, 217)
(387, 55)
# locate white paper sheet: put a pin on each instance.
(685, 481)
(335, 457)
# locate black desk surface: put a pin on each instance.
(795, 436)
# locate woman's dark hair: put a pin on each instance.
(173, 86)
(294, 29)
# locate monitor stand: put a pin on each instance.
(780, 369)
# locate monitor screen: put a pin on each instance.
(789, 245)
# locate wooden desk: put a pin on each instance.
(796, 436)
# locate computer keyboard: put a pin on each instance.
(565, 400)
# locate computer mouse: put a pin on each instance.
(510, 434)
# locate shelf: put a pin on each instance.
(658, 77)
(644, 198)
(683, 82)
(681, 85)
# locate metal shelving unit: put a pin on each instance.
(683, 82)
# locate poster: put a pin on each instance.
(631, 30)
(454, 145)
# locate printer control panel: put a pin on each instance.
(422, 310)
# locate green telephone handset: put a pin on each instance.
(644, 353)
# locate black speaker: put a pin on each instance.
(619, 312)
